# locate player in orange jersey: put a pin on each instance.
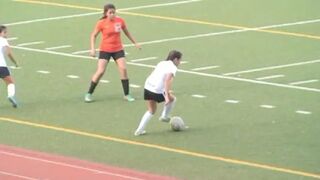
(110, 26)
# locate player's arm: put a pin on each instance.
(167, 88)
(10, 55)
(127, 33)
(93, 38)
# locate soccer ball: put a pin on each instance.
(177, 123)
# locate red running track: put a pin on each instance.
(17, 164)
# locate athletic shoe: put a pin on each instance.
(139, 133)
(13, 101)
(88, 98)
(164, 119)
(129, 98)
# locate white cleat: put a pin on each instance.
(139, 133)
(164, 119)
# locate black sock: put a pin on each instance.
(92, 87)
(125, 86)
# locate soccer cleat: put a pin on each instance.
(13, 101)
(88, 98)
(129, 98)
(164, 119)
(139, 133)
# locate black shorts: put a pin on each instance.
(148, 95)
(4, 72)
(115, 55)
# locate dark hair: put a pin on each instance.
(106, 9)
(2, 28)
(174, 54)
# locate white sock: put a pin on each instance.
(167, 108)
(11, 90)
(145, 119)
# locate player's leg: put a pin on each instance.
(101, 68)
(152, 107)
(167, 108)
(122, 67)
(11, 90)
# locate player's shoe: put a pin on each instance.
(128, 98)
(13, 101)
(88, 98)
(139, 133)
(164, 119)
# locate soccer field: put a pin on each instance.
(248, 86)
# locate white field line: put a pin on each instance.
(232, 101)
(303, 112)
(58, 47)
(57, 163)
(30, 43)
(198, 96)
(272, 67)
(17, 176)
(144, 59)
(267, 106)
(104, 81)
(204, 68)
(214, 34)
(43, 72)
(270, 77)
(304, 82)
(180, 70)
(184, 62)
(73, 76)
(134, 86)
(12, 38)
(96, 13)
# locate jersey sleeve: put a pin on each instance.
(173, 69)
(123, 24)
(4, 42)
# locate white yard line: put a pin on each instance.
(231, 101)
(17, 176)
(180, 70)
(58, 47)
(96, 13)
(43, 72)
(104, 81)
(272, 67)
(73, 76)
(198, 96)
(204, 68)
(134, 86)
(30, 43)
(304, 82)
(267, 106)
(303, 112)
(144, 59)
(270, 77)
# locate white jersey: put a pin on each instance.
(3, 44)
(155, 81)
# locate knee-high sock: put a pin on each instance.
(92, 87)
(125, 86)
(167, 108)
(144, 120)
(11, 90)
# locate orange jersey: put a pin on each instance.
(111, 30)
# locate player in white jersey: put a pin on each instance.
(4, 71)
(157, 89)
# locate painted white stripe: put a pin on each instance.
(232, 101)
(184, 62)
(134, 86)
(303, 112)
(198, 96)
(267, 106)
(204, 68)
(144, 59)
(273, 67)
(58, 47)
(180, 70)
(17, 176)
(14, 67)
(67, 165)
(73, 76)
(12, 38)
(159, 5)
(304, 82)
(43, 72)
(53, 18)
(104, 81)
(30, 43)
(270, 77)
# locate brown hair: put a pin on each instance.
(174, 54)
(2, 28)
(106, 9)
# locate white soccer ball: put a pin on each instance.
(177, 123)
